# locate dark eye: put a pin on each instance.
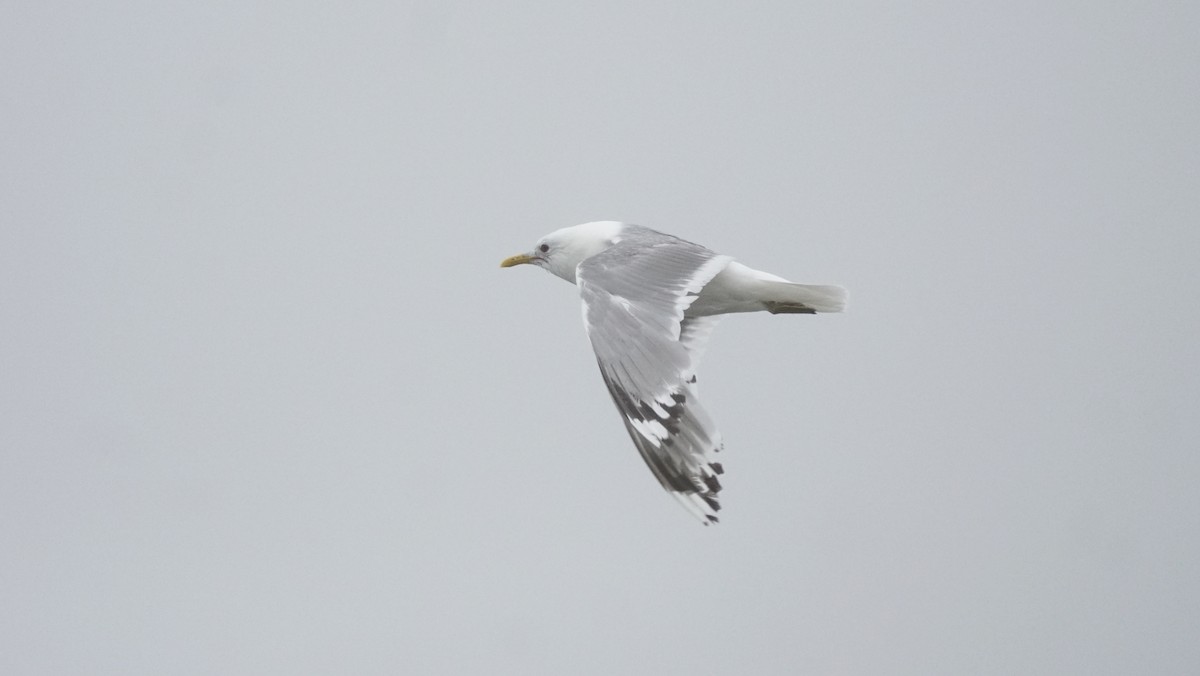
(544, 248)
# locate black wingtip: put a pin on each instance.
(714, 486)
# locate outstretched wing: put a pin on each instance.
(634, 297)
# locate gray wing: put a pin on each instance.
(634, 298)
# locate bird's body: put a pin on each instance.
(650, 301)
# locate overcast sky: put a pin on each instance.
(270, 406)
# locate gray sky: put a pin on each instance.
(270, 406)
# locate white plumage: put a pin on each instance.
(650, 300)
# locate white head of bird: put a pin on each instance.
(560, 252)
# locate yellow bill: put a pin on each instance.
(519, 259)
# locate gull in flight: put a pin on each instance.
(650, 301)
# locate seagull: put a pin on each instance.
(650, 302)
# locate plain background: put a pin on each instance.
(270, 406)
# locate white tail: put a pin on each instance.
(738, 288)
